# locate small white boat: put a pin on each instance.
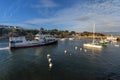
(111, 38)
(103, 42)
(62, 39)
(71, 38)
(117, 45)
(39, 40)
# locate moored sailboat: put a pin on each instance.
(93, 44)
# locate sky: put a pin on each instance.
(73, 15)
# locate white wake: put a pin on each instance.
(4, 48)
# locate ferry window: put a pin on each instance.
(19, 41)
(12, 41)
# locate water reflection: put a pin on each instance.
(76, 64)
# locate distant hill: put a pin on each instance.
(112, 33)
(6, 31)
(8, 26)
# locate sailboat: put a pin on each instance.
(93, 44)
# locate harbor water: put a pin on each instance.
(70, 61)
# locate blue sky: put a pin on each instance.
(77, 15)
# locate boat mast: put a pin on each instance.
(93, 33)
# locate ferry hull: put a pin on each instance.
(28, 46)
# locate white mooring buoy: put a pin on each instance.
(48, 55)
(50, 65)
(76, 47)
(85, 50)
(65, 51)
(80, 49)
(49, 60)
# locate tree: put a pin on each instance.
(72, 32)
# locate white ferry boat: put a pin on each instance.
(39, 40)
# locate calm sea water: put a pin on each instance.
(85, 64)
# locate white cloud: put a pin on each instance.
(82, 16)
(46, 4)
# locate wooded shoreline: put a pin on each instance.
(6, 32)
